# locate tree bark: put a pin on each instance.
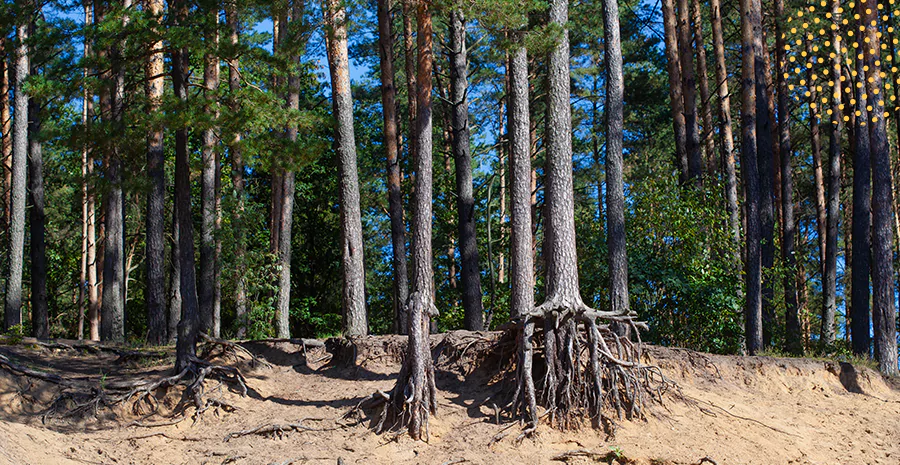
(414, 395)
(676, 97)
(689, 92)
(156, 199)
(40, 315)
(90, 210)
(391, 139)
(208, 193)
(354, 289)
(189, 326)
(765, 130)
(112, 319)
(176, 301)
(237, 175)
(725, 130)
(862, 216)
(520, 248)
(883, 310)
(818, 176)
(462, 157)
(409, 48)
(829, 278)
(793, 338)
(707, 136)
(6, 129)
(13, 304)
(615, 182)
(750, 34)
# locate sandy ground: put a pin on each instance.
(734, 410)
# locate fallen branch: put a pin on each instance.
(276, 430)
(578, 453)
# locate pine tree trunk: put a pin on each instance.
(354, 289)
(5, 130)
(725, 130)
(829, 278)
(206, 283)
(391, 138)
(520, 247)
(883, 310)
(462, 157)
(156, 198)
(689, 92)
(409, 49)
(189, 325)
(90, 210)
(175, 299)
(707, 136)
(750, 33)
(765, 129)
(862, 215)
(13, 304)
(112, 319)
(237, 177)
(793, 338)
(676, 97)
(40, 316)
(86, 104)
(615, 182)
(413, 398)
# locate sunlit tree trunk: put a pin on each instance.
(676, 97)
(237, 174)
(689, 91)
(818, 176)
(707, 135)
(209, 321)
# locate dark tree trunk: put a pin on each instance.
(750, 42)
(13, 304)
(676, 97)
(883, 311)
(189, 326)
(829, 278)
(462, 157)
(156, 199)
(521, 257)
(354, 289)
(112, 319)
(793, 338)
(765, 130)
(615, 182)
(703, 82)
(862, 216)
(40, 316)
(725, 130)
(689, 92)
(237, 177)
(391, 139)
(175, 299)
(206, 283)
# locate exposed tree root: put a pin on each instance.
(79, 398)
(276, 430)
(233, 349)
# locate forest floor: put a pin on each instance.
(731, 410)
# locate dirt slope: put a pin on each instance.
(734, 410)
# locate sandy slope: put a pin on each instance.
(734, 410)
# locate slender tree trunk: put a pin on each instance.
(40, 316)
(85, 190)
(793, 338)
(750, 33)
(90, 210)
(206, 283)
(354, 289)
(818, 176)
(13, 304)
(676, 97)
(415, 391)
(237, 175)
(391, 138)
(462, 157)
(883, 310)
(707, 136)
(725, 130)
(862, 215)
(689, 91)
(156, 199)
(520, 247)
(5, 129)
(615, 182)
(175, 298)
(829, 278)
(409, 48)
(189, 326)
